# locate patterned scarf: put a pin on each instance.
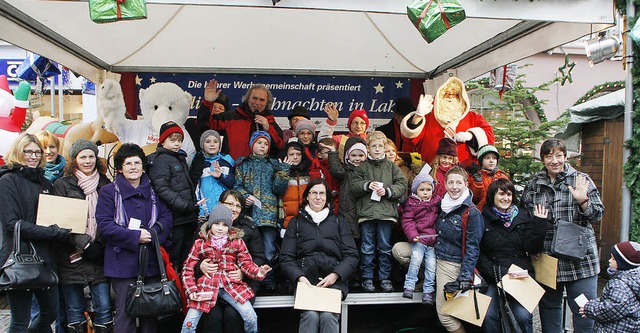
(53, 171)
(507, 217)
(89, 185)
(218, 242)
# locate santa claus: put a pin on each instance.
(451, 118)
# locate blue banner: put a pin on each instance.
(9, 68)
(374, 94)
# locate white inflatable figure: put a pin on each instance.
(160, 103)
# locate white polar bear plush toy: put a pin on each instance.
(160, 103)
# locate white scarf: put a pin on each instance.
(317, 217)
(447, 204)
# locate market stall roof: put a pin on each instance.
(609, 106)
(328, 37)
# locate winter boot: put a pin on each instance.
(77, 327)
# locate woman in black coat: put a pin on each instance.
(510, 237)
(21, 182)
(318, 249)
(84, 176)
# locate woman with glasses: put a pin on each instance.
(127, 210)
(22, 180)
(318, 249)
(223, 317)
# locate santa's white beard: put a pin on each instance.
(450, 110)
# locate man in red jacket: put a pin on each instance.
(253, 114)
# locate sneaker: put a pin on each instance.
(427, 298)
(408, 293)
(368, 287)
(387, 286)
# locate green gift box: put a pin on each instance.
(104, 11)
(434, 17)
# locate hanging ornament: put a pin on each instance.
(503, 78)
(567, 65)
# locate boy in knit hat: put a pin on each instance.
(222, 245)
(446, 158)
(481, 176)
(298, 113)
(211, 171)
(618, 309)
(419, 224)
(169, 174)
(262, 180)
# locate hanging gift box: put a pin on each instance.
(105, 11)
(37, 66)
(434, 17)
(503, 78)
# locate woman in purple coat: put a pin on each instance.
(127, 209)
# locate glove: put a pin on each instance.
(463, 137)
(79, 241)
(477, 177)
(416, 159)
(23, 91)
(473, 168)
(464, 285)
(425, 105)
(61, 234)
(451, 287)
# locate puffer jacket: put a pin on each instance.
(501, 247)
(292, 197)
(393, 180)
(91, 268)
(479, 189)
(618, 308)
(347, 202)
(419, 219)
(169, 174)
(20, 187)
(449, 244)
(234, 253)
(314, 250)
(208, 186)
(266, 179)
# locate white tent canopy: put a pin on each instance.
(327, 37)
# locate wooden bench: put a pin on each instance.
(352, 299)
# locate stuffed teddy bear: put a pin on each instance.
(160, 103)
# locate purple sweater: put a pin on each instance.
(419, 218)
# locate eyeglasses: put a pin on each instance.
(232, 205)
(38, 153)
(130, 164)
(317, 194)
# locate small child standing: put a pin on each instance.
(377, 185)
(618, 309)
(446, 158)
(223, 245)
(297, 182)
(169, 174)
(212, 171)
(419, 224)
(481, 178)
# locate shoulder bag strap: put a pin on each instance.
(142, 263)
(16, 238)
(156, 245)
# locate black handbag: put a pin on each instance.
(152, 299)
(508, 321)
(25, 271)
(570, 241)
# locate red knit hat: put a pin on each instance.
(627, 255)
(167, 129)
(447, 146)
(358, 113)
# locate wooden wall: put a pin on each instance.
(602, 146)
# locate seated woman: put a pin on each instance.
(511, 236)
(127, 209)
(84, 176)
(323, 241)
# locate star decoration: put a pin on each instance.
(567, 65)
(399, 84)
(378, 88)
(152, 79)
(138, 80)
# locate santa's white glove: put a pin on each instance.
(463, 137)
(425, 105)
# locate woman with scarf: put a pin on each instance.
(84, 176)
(127, 209)
(54, 168)
(21, 182)
(511, 237)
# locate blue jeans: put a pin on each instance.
(376, 237)
(246, 311)
(551, 305)
(74, 296)
(269, 235)
(491, 322)
(20, 305)
(60, 325)
(421, 253)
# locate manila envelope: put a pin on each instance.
(526, 291)
(317, 299)
(462, 307)
(67, 213)
(546, 268)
